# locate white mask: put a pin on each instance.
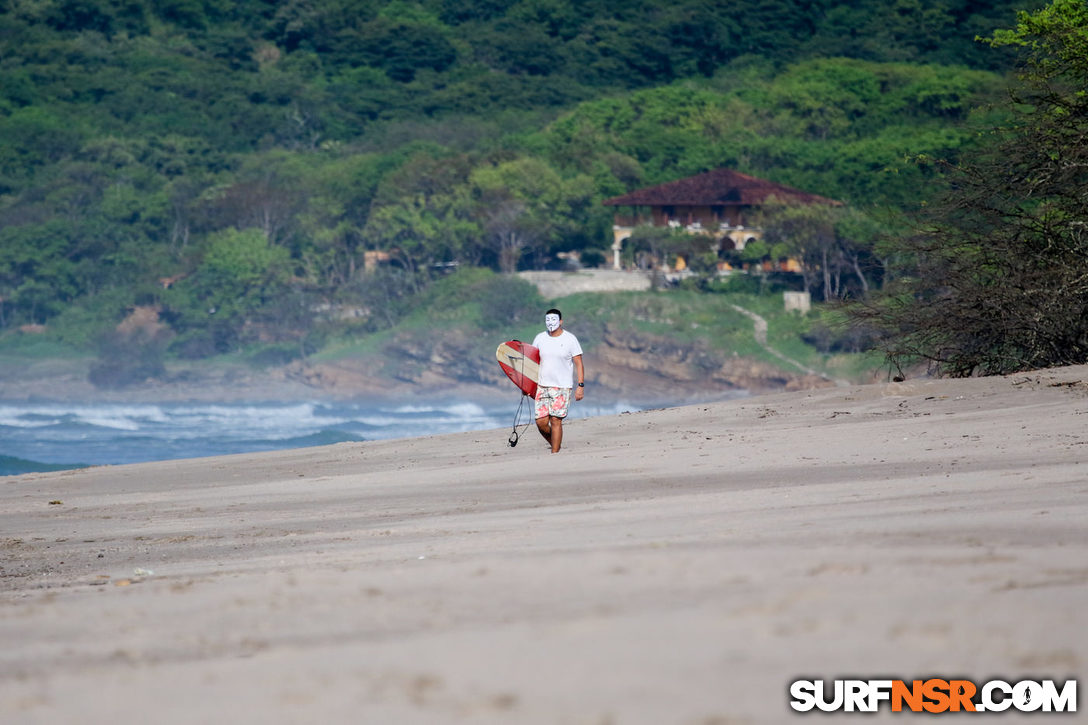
(551, 322)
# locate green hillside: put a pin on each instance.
(229, 164)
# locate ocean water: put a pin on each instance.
(45, 436)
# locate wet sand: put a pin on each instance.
(670, 566)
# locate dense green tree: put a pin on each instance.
(655, 249)
(835, 247)
(841, 128)
(34, 137)
(997, 279)
(215, 308)
(135, 135)
(423, 212)
(527, 207)
(331, 226)
(910, 30)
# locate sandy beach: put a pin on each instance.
(682, 565)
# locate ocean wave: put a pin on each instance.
(465, 409)
(115, 433)
(117, 417)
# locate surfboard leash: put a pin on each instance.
(514, 435)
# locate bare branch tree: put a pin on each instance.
(998, 274)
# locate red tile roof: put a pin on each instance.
(720, 187)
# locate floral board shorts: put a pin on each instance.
(552, 401)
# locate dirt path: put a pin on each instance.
(759, 329)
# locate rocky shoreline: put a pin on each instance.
(634, 369)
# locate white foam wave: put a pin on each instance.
(255, 420)
(466, 409)
(117, 417)
(95, 433)
(15, 417)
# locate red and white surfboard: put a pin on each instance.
(521, 363)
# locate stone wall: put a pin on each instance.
(553, 285)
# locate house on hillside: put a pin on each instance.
(720, 204)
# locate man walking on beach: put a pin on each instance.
(560, 357)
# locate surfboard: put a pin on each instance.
(521, 363)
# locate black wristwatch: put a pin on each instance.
(581, 385)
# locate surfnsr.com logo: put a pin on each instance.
(933, 695)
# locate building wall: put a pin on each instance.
(726, 224)
(710, 217)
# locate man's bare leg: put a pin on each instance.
(545, 427)
(557, 433)
(552, 430)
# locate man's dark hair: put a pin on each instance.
(554, 311)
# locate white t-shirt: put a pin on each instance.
(557, 359)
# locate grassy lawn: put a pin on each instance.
(478, 319)
(688, 317)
